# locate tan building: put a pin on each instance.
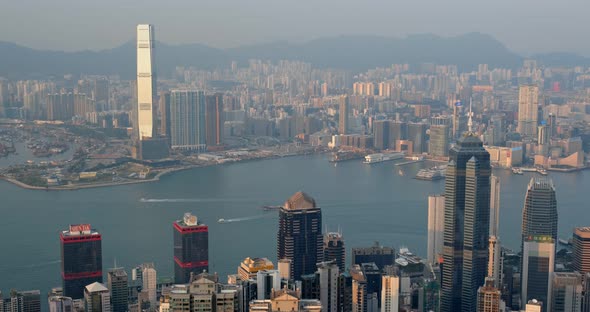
(250, 266)
(488, 297)
(528, 105)
(581, 250)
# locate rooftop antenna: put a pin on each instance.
(470, 115)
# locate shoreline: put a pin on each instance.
(154, 179)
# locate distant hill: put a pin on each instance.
(355, 53)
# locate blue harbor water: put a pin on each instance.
(368, 202)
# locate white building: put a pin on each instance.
(389, 293)
(146, 81)
(436, 227)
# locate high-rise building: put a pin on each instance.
(539, 216)
(528, 107)
(380, 255)
(267, 281)
(344, 106)
(494, 260)
(191, 248)
(97, 298)
(494, 205)
(334, 249)
(439, 141)
(345, 292)
(187, 119)
(466, 230)
(101, 94)
(581, 250)
(214, 120)
(538, 262)
(534, 306)
(436, 228)
(566, 292)
(417, 134)
(21, 301)
(488, 297)
(390, 293)
(60, 106)
(165, 114)
(117, 283)
(81, 259)
(328, 273)
(250, 267)
(300, 238)
(149, 280)
(381, 134)
(60, 304)
(146, 81)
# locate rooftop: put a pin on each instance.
(300, 200)
(96, 287)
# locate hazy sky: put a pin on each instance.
(525, 26)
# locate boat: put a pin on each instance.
(525, 169)
(432, 174)
(381, 157)
(564, 242)
(542, 171)
(401, 172)
(271, 207)
(517, 170)
(222, 220)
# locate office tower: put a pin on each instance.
(552, 123)
(334, 249)
(344, 106)
(494, 259)
(345, 292)
(381, 134)
(187, 119)
(417, 134)
(436, 228)
(389, 293)
(214, 120)
(538, 262)
(494, 205)
(191, 248)
(165, 114)
(397, 131)
(299, 238)
(539, 216)
(21, 301)
(581, 250)
(250, 267)
(528, 106)
(566, 292)
(467, 216)
(372, 274)
(328, 273)
(117, 283)
(267, 281)
(534, 305)
(60, 304)
(81, 259)
(543, 134)
(359, 289)
(380, 255)
(488, 297)
(146, 81)
(101, 94)
(284, 267)
(439, 141)
(149, 279)
(97, 298)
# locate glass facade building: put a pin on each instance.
(81, 259)
(191, 248)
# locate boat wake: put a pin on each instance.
(243, 218)
(183, 200)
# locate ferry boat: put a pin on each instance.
(381, 157)
(222, 220)
(517, 171)
(542, 171)
(432, 174)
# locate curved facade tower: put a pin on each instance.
(146, 81)
(539, 216)
(466, 230)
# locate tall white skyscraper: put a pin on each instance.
(389, 293)
(436, 227)
(149, 279)
(528, 106)
(146, 81)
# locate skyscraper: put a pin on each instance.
(328, 273)
(581, 250)
(97, 298)
(436, 228)
(494, 205)
(467, 216)
(538, 262)
(488, 297)
(191, 248)
(389, 293)
(417, 134)
(381, 134)
(439, 141)
(149, 280)
(344, 106)
(165, 114)
(117, 283)
(494, 259)
(528, 106)
(214, 120)
(539, 216)
(187, 119)
(60, 304)
(81, 259)
(299, 238)
(380, 255)
(334, 249)
(146, 81)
